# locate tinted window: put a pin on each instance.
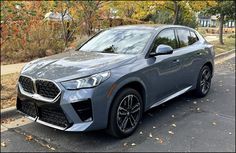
(186, 37)
(193, 38)
(183, 37)
(118, 41)
(166, 37)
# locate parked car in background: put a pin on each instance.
(114, 77)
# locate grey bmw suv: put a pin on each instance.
(114, 77)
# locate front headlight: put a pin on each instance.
(88, 82)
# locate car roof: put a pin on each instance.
(149, 26)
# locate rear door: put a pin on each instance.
(190, 53)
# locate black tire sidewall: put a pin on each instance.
(198, 91)
(113, 127)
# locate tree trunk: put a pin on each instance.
(64, 27)
(89, 23)
(176, 12)
(221, 28)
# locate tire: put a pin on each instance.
(203, 82)
(124, 119)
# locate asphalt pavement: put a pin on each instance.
(183, 124)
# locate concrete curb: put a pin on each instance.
(224, 54)
(10, 112)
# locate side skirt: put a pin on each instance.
(171, 97)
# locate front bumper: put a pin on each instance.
(77, 110)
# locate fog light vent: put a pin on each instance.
(84, 110)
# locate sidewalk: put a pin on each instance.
(212, 38)
(12, 68)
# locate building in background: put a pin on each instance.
(212, 21)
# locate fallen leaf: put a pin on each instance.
(170, 132)
(140, 132)
(22, 120)
(160, 141)
(173, 116)
(214, 123)
(48, 146)
(150, 135)
(52, 148)
(125, 144)
(230, 133)
(3, 144)
(133, 144)
(195, 102)
(207, 99)
(198, 109)
(227, 90)
(12, 119)
(28, 138)
(157, 139)
(153, 127)
(174, 125)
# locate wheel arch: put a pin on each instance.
(135, 84)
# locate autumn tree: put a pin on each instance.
(225, 10)
(135, 9)
(88, 14)
(183, 9)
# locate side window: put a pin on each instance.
(166, 37)
(183, 37)
(193, 38)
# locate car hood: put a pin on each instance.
(74, 64)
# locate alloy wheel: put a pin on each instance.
(128, 113)
(205, 81)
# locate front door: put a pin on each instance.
(163, 74)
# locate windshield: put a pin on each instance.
(118, 41)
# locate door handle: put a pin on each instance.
(176, 61)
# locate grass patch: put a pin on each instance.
(229, 44)
(8, 90)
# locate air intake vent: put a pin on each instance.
(27, 84)
(44, 88)
(84, 110)
(47, 89)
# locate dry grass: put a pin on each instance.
(8, 90)
(229, 45)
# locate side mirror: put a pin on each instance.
(162, 50)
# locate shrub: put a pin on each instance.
(37, 41)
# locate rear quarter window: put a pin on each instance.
(186, 37)
(193, 38)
